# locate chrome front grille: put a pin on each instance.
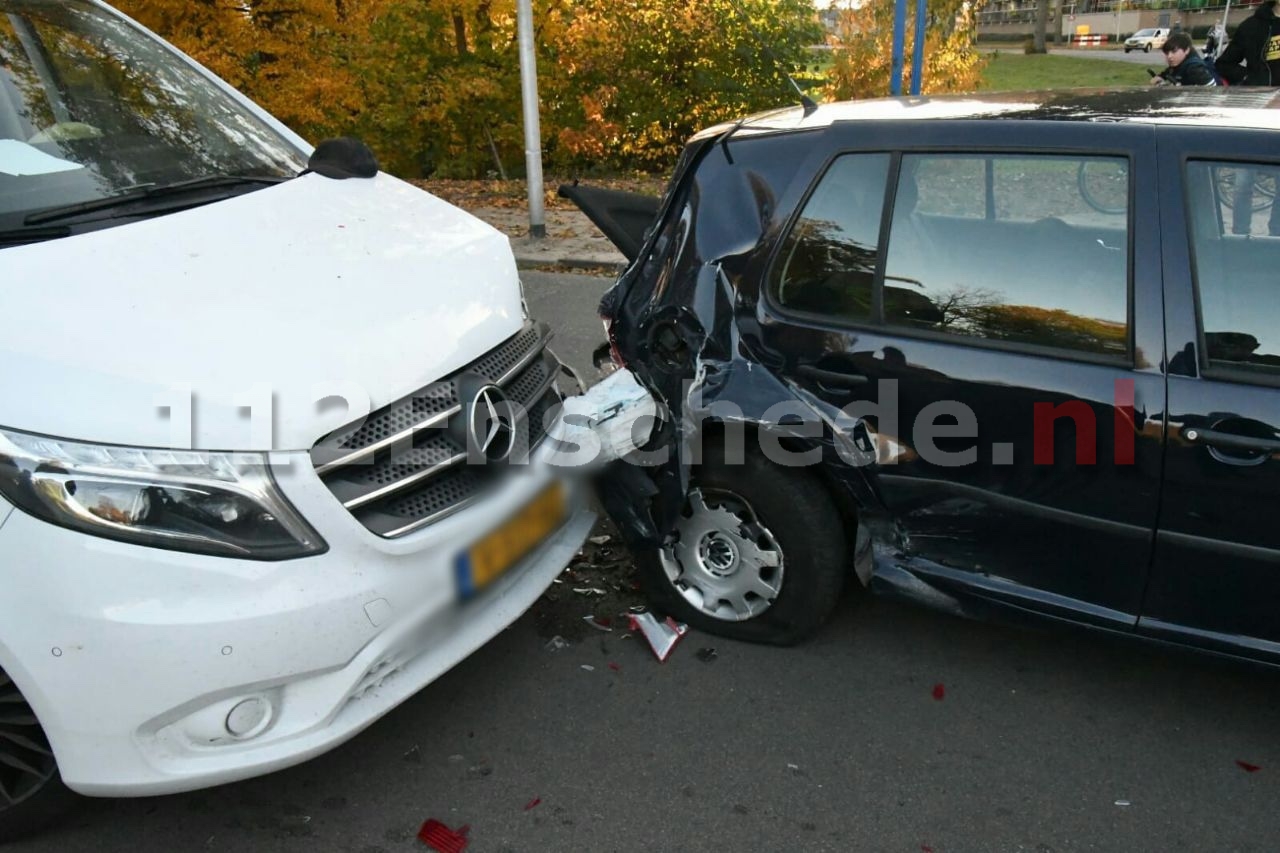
(403, 468)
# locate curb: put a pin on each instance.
(529, 262)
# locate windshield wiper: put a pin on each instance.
(53, 214)
(19, 236)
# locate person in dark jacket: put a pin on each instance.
(1256, 44)
(1186, 66)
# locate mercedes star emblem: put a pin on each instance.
(492, 430)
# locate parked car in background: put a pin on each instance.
(271, 430)
(1145, 40)
(1003, 355)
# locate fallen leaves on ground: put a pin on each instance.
(515, 193)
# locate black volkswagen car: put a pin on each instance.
(1010, 355)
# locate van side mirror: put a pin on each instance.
(342, 158)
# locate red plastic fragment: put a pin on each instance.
(939, 692)
(925, 848)
(615, 667)
(533, 803)
(1247, 767)
(439, 837)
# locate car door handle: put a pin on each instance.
(1231, 440)
(832, 378)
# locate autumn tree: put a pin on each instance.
(434, 87)
(635, 78)
(862, 50)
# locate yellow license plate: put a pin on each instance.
(486, 560)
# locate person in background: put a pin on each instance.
(1215, 42)
(1186, 66)
(1256, 44)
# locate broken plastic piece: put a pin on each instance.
(439, 837)
(588, 667)
(1247, 767)
(599, 540)
(1123, 803)
(589, 590)
(600, 623)
(601, 425)
(555, 644)
(662, 636)
(707, 655)
(939, 692)
(533, 803)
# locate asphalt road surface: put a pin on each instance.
(1053, 741)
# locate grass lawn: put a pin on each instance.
(1013, 71)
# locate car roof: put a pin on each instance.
(1235, 106)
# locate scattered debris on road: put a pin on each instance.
(440, 837)
(556, 643)
(597, 586)
(1247, 767)
(939, 692)
(533, 803)
(1123, 803)
(662, 636)
(707, 655)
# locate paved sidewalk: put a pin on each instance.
(571, 241)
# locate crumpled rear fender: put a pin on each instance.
(682, 318)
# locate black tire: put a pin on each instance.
(1126, 50)
(31, 798)
(797, 513)
(1146, 48)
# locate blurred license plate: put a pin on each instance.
(486, 560)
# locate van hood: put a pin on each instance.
(259, 310)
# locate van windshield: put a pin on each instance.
(91, 108)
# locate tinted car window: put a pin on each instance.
(827, 263)
(1235, 228)
(1046, 263)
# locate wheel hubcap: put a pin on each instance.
(722, 560)
(26, 761)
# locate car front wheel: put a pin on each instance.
(1146, 48)
(31, 791)
(759, 553)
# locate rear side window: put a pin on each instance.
(1019, 249)
(1235, 233)
(827, 263)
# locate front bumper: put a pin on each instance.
(134, 657)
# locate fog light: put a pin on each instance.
(249, 717)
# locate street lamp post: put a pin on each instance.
(532, 130)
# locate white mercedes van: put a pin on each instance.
(271, 427)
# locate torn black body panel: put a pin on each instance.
(684, 317)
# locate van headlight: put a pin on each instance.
(226, 504)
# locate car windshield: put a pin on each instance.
(1144, 33)
(92, 107)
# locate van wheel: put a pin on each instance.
(31, 791)
(759, 553)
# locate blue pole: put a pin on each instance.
(899, 36)
(917, 58)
